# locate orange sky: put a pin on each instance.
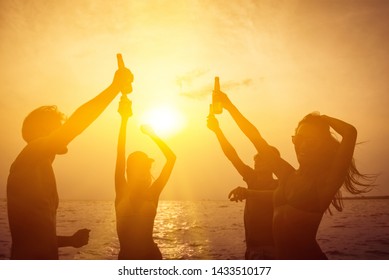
(277, 60)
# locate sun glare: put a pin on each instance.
(164, 119)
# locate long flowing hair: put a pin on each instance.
(354, 182)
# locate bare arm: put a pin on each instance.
(89, 111)
(228, 150)
(343, 157)
(125, 112)
(281, 168)
(160, 182)
(240, 193)
(245, 126)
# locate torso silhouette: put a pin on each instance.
(135, 222)
(297, 216)
(32, 203)
(258, 213)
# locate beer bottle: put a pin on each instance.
(216, 104)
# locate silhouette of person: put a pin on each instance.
(303, 195)
(258, 211)
(137, 196)
(32, 197)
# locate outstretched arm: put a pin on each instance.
(125, 112)
(160, 182)
(245, 126)
(240, 193)
(228, 150)
(280, 167)
(343, 157)
(89, 111)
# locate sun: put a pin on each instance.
(164, 119)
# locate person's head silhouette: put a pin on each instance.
(313, 141)
(41, 122)
(139, 169)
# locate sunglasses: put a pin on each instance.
(309, 140)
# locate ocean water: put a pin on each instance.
(213, 230)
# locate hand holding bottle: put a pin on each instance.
(123, 77)
(212, 122)
(224, 100)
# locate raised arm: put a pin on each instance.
(281, 168)
(245, 126)
(344, 154)
(160, 182)
(89, 111)
(125, 112)
(228, 150)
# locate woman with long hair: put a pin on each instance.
(137, 195)
(303, 195)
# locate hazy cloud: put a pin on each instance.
(188, 78)
(192, 88)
